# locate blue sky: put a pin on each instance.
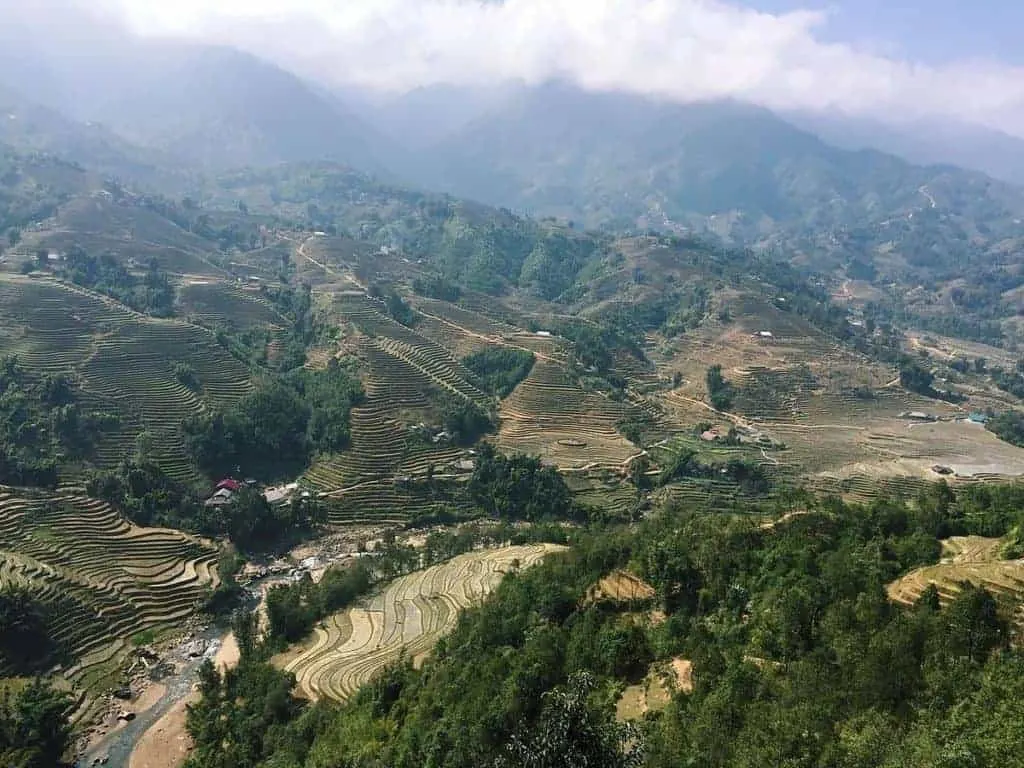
(932, 31)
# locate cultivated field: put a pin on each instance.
(403, 374)
(99, 224)
(224, 303)
(551, 416)
(101, 579)
(124, 363)
(972, 559)
(840, 416)
(382, 444)
(406, 618)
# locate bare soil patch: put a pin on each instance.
(621, 586)
(683, 670)
(654, 692)
(227, 654)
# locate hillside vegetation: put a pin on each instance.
(796, 655)
(732, 432)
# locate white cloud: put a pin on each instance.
(680, 49)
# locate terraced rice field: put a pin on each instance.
(224, 303)
(466, 319)
(972, 559)
(551, 416)
(407, 618)
(386, 502)
(774, 394)
(837, 414)
(102, 579)
(135, 366)
(99, 224)
(397, 395)
(460, 330)
(51, 328)
(707, 494)
(792, 335)
(619, 499)
(124, 362)
(429, 359)
(894, 454)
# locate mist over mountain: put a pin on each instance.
(30, 126)
(998, 154)
(221, 108)
(725, 169)
(205, 105)
(423, 117)
(602, 158)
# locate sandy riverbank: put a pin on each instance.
(167, 744)
(110, 724)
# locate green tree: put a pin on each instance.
(719, 390)
(24, 639)
(499, 370)
(400, 311)
(975, 627)
(571, 733)
(638, 469)
(34, 729)
(915, 378)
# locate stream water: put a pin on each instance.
(117, 746)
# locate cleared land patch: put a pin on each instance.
(621, 587)
(654, 692)
(407, 618)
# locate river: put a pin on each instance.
(117, 746)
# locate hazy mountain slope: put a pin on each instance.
(425, 116)
(993, 152)
(31, 127)
(33, 186)
(735, 170)
(204, 105)
(222, 108)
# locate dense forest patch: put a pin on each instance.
(500, 369)
(274, 431)
(42, 419)
(152, 293)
